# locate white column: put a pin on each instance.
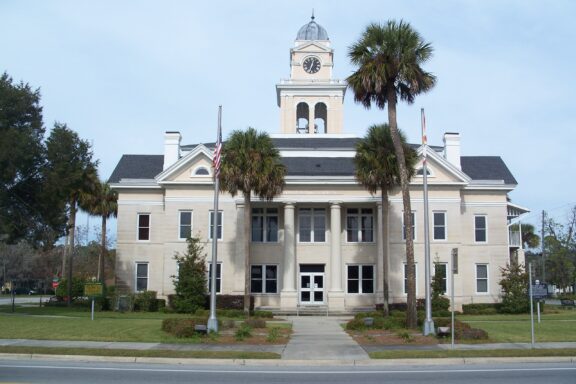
(336, 293)
(380, 256)
(289, 276)
(289, 294)
(335, 251)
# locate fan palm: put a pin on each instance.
(377, 170)
(389, 59)
(103, 202)
(250, 165)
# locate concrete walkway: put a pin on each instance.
(321, 338)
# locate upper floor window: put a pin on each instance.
(439, 225)
(201, 171)
(265, 225)
(312, 225)
(211, 225)
(185, 225)
(359, 225)
(480, 228)
(413, 216)
(143, 226)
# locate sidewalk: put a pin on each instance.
(313, 338)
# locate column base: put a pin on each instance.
(336, 301)
(288, 300)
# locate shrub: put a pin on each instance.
(179, 327)
(355, 325)
(255, 322)
(273, 334)
(146, 301)
(190, 283)
(373, 314)
(228, 324)
(77, 288)
(263, 314)
(514, 285)
(231, 313)
(480, 309)
(470, 334)
(229, 302)
(440, 303)
(243, 332)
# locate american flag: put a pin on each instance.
(216, 160)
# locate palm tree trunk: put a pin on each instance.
(247, 239)
(411, 315)
(102, 252)
(72, 222)
(385, 255)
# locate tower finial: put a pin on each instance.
(312, 13)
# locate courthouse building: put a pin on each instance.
(320, 242)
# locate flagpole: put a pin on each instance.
(428, 322)
(212, 325)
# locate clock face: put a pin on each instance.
(311, 64)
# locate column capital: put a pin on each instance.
(336, 203)
(289, 204)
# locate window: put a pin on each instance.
(201, 171)
(406, 277)
(264, 279)
(143, 226)
(439, 225)
(218, 277)
(440, 271)
(312, 225)
(359, 225)
(265, 225)
(413, 216)
(360, 279)
(219, 229)
(141, 277)
(480, 228)
(185, 226)
(420, 172)
(481, 278)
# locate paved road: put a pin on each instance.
(62, 372)
(7, 299)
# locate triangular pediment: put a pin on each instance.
(312, 46)
(194, 167)
(440, 170)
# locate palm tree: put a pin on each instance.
(389, 59)
(377, 170)
(250, 165)
(102, 202)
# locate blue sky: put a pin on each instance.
(121, 73)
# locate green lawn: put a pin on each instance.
(554, 326)
(469, 354)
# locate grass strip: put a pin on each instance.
(473, 353)
(140, 353)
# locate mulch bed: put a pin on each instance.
(383, 337)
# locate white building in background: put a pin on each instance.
(319, 243)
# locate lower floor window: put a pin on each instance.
(218, 277)
(264, 279)
(481, 278)
(141, 277)
(360, 279)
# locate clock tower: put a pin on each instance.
(311, 101)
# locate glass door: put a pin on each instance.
(311, 288)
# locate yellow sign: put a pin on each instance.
(93, 289)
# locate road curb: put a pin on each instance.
(290, 363)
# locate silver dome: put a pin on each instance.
(312, 31)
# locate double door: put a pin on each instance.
(311, 288)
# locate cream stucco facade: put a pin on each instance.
(320, 243)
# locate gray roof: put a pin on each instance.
(137, 167)
(476, 167)
(312, 31)
(487, 168)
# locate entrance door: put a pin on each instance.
(311, 288)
